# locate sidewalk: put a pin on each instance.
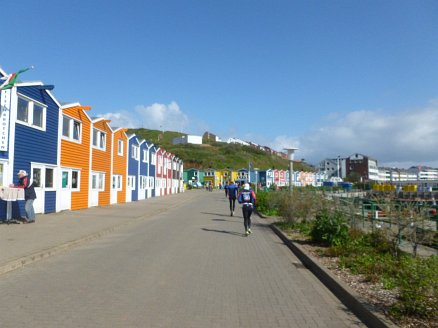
(21, 244)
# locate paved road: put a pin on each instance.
(188, 266)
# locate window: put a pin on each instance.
(31, 113)
(99, 138)
(135, 153)
(145, 156)
(154, 159)
(75, 180)
(143, 182)
(71, 128)
(131, 182)
(98, 181)
(49, 178)
(120, 147)
(117, 182)
(64, 179)
(1, 174)
(36, 174)
(70, 179)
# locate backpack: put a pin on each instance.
(246, 196)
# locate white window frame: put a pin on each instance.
(2, 173)
(30, 113)
(154, 159)
(99, 139)
(69, 184)
(120, 147)
(135, 152)
(98, 181)
(145, 156)
(71, 129)
(131, 182)
(117, 181)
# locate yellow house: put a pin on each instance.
(213, 177)
(228, 175)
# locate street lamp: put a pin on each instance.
(257, 180)
(290, 155)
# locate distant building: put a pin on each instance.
(365, 167)
(187, 139)
(333, 167)
(237, 141)
(210, 137)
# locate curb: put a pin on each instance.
(345, 294)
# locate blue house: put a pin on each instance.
(143, 169)
(30, 140)
(152, 168)
(133, 168)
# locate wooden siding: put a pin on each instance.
(133, 167)
(101, 161)
(119, 164)
(34, 145)
(77, 155)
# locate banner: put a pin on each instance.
(5, 108)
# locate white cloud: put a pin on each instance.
(156, 116)
(402, 139)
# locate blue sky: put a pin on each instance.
(329, 77)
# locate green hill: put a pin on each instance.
(217, 155)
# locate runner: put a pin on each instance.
(247, 198)
(232, 194)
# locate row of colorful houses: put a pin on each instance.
(265, 178)
(74, 160)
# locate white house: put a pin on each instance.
(187, 139)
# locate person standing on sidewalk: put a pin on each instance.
(232, 195)
(247, 198)
(29, 195)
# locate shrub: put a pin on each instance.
(267, 203)
(418, 283)
(330, 228)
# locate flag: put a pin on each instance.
(12, 79)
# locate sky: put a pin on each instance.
(329, 77)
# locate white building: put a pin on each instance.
(237, 141)
(187, 139)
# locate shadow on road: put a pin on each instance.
(218, 214)
(224, 231)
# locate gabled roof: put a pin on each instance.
(39, 83)
(76, 104)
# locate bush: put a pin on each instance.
(300, 205)
(418, 283)
(267, 203)
(330, 228)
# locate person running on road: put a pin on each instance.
(232, 195)
(247, 198)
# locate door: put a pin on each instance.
(43, 181)
(65, 190)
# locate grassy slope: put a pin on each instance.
(216, 155)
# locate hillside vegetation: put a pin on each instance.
(216, 155)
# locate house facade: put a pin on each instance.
(30, 140)
(119, 162)
(75, 157)
(101, 159)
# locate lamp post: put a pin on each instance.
(290, 155)
(257, 180)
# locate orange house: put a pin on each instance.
(119, 166)
(75, 157)
(101, 159)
